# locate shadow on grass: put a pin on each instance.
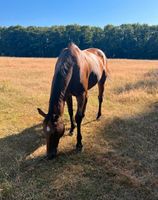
(18, 146)
(136, 137)
(134, 156)
(125, 170)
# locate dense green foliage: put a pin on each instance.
(124, 41)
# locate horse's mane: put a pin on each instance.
(63, 72)
(73, 48)
(67, 59)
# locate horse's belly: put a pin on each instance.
(93, 79)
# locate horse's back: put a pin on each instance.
(89, 68)
(97, 52)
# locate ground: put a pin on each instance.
(120, 157)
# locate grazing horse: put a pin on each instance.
(76, 71)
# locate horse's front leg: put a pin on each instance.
(70, 110)
(81, 107)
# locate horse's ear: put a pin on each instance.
(41, 112)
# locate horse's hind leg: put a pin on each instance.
(101, 93)
(70, 110)
(81, 107)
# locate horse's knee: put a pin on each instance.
(100, 98)
(78, 118)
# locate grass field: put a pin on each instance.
(120, 157)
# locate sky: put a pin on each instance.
(83, 12)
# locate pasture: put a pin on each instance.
(120, 157)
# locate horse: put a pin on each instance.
(76, 71)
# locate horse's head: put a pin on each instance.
(53, 128)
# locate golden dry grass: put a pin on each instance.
(120, 158)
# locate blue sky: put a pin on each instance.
(83, 12)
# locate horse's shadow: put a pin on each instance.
(16, 148)
(125, 136)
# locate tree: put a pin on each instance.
(124, 41)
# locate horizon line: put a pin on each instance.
(76, 24)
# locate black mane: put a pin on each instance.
(63, 71)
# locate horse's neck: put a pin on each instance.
(56, 107)
(58, 92)
(56, 102)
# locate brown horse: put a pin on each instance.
(76, 71)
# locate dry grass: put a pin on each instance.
(120, 158)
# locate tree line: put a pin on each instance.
(124, 41)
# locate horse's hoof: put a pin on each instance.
(50, 157)
(71, 130)
(52, 154)
(98, 116)
(71, 133)
(79, 148)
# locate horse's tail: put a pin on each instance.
(105, 63)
